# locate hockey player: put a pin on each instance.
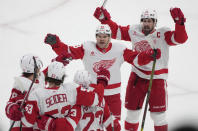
(103, 54)
(55, 100)
(144, 36)
(20, 88)
(94, 117)
(57, 107)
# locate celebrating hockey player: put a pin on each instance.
(94, 117)
(21, 87)
(107, 55)
(58, 106)
(145, 36)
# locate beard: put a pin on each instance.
(147, 30)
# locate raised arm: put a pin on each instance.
(118, 32)
(62, 49)
(179, 35)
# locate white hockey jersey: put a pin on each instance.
(95, 118)
(142, 43)
(161, 38)
(93, 57)
(20, 88)
(56, 102)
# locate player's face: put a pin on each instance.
(38, 73)
(103, 40)
(148, 25)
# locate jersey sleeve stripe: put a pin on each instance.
(173, 40)
(72, 122)
(113, 86)
(96, 100)
(118, 37)
(47, 123)
(108, 121)
(8, 107)
(26, 123)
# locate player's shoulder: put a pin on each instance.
(70, 86)
(89, 43)
(36, 94)
(39, 91)
(163, 29)
(136, 27)
(21, 83)
(118, 46)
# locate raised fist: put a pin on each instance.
(103, 76)
(51, 39)
(102, 14)
(178, 16)
(64, 58)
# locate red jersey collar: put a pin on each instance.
(104, 50)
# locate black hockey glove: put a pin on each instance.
(51, 39)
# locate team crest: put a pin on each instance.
(106, 64)
(142, 46)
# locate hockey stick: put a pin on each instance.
(27, 94)
(149, 90)
(104, 4)
(112, 121)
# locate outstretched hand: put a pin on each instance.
(51, 39)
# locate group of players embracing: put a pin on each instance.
(40, 100)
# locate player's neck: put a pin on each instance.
(31, 77)
(104, 46)
(52, 85)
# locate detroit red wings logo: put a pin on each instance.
(106, 64)
(142, 46)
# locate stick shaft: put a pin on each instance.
(149, 91)
(27, 94)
